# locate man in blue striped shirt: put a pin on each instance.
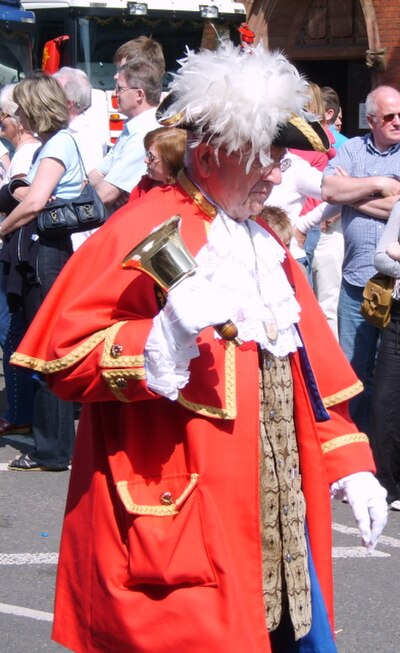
(364, 177)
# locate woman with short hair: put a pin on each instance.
(165, 149)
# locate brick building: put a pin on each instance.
(351, 45)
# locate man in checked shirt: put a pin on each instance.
(364, 177)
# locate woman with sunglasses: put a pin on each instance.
(165, 148)
(56, 171)
(19, 385)
(24, 142)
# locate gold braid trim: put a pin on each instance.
(343, 440)
(194, 193)
(108, 360)
(155, 511)
(108, 335)
(343, 395)
(309, 133)
(117, 381)
(230, 410)
(172, 121)
(49, 367)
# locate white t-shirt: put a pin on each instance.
(89, 139)
(299, 181)
(22, 159)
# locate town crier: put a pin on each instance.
(198, 514)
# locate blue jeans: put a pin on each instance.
(20, 388)
(310, 245)
(53, 428)
(18, 381)
(4, 312)
(359, 340)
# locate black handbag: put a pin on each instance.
(61, 217)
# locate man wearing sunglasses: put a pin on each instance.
(365, 178)
(138, 90)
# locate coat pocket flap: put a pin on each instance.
(156, 496)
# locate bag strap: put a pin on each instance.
(85, 174)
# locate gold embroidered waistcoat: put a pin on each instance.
(286, 581)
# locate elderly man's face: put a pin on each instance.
(225, 180)
(385, 123)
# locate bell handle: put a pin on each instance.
(228, 331)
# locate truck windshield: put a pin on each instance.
(15, 55)
(98, 38)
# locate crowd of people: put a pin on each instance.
(192, 449)
(354, 190)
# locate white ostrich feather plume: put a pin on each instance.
(238, 99)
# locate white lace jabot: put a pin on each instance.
(244, 261)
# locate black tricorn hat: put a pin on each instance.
(297, 132)
(302, 134)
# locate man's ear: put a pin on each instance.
(204, 157)
(329, 113)
(371, 122)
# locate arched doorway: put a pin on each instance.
(327, 40)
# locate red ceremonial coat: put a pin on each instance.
(161, 548)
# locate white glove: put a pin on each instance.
(367, 499)
(193, 305)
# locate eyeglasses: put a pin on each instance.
(256, 165)
(121, 89)
(389, 117)
(151, 157)
(283, 165)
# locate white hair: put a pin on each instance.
(77, 87)
(238, 100)
(7, 104)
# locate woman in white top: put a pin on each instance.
(19, 386)
(21, 138)
(4, 160)
(35, 261)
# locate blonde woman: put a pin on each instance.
(43, 109)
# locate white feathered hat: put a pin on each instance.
(242, 101)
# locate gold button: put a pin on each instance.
(166, 499)
(116, 350)
(121, 383)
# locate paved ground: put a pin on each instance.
(31, 508)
